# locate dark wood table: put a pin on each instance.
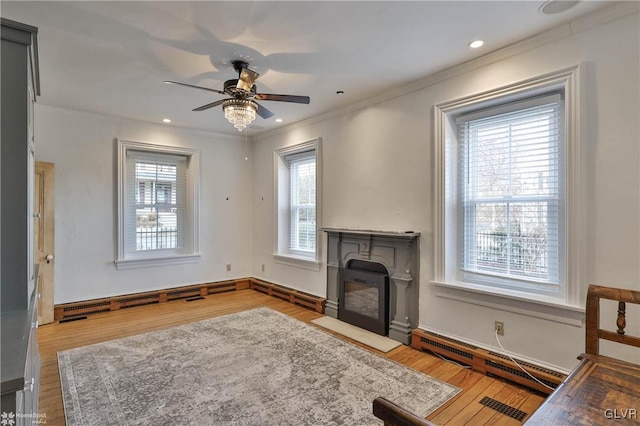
(599, 391)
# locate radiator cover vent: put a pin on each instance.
(518, 372)
(446, 348)
(529, 365)
(487, 362)
(87, 306)
(137, 299)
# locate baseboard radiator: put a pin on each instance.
(292, 296)
(487, 362)
(75, 309)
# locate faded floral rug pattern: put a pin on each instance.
(257, 367)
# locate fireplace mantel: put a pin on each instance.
(398, 252)
(394, 234)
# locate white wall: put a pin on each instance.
(82, 146)
(378, 175)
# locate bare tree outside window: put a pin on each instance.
(510, 192)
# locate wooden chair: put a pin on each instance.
(593, 331)
(394, 415)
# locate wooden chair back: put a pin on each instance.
(593, 331)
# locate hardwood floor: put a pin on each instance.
(465, 408)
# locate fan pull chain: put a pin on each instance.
(246, 144)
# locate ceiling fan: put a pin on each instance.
(241, 108)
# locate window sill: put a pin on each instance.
(512, 301)
(156, 261)
(297, 261)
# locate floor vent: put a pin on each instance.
(487, 362)
(194, 298)
(502, 408)
(69, 319)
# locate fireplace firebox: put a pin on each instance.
(364, 296)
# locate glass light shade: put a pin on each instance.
(240, 112)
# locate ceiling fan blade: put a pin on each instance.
(196, 87)
(263, 112)
(282, 98)
(246, 80)
(211, 105)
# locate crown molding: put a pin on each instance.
(617, 10)
(115, 119)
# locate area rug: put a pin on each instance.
(257, 367)
(381, 343)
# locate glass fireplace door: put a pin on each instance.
(363, 299)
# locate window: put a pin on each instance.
(508, 216)
(158, 205)
(296, 172)
(302, 203)
(156, 214)
(509, 176)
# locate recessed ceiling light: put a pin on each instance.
(476, 43)
(278, 120)
(166, 120)
(551, 7)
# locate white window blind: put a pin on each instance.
(510, 184)
(156, 202)
(302, 202)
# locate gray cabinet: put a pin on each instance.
(20, 366)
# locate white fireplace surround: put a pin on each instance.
(398, 252)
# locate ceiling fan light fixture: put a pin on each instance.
(240, 112)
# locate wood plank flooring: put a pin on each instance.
(464, 409)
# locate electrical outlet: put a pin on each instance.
(499, 328)
(228, 266)
(263, 267)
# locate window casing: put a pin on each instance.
(550, 288)
(158, 205)
(297, 181)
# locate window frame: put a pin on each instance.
(567, 305)
(190, 252)
(283, 224)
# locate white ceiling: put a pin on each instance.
(112, 57)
